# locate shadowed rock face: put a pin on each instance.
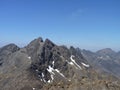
(43, 65)
(56, 63)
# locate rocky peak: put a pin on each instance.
(56, 63)
(6, 51)
(35, 42)
(73, 50)
(49, 44)
(106, 51)
(34, 48)
(11, 48)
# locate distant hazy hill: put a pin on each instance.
(106, 59)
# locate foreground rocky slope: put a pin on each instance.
(42, 65)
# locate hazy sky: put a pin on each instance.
(90, 24)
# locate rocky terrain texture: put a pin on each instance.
(43, 65)
(105, 60)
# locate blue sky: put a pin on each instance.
(89, 24)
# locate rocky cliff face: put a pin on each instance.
(43, 65)
(54, 63)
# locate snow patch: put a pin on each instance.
(36, 70)
(42, 75)
(61, 56)
(41, 79)
(53, 63)
(33, 88)
(52, 77)
(73, 61)
(100, 57)
(86, 65)
(49, 81)
(59, 73)
(50, 70)
(29, 57)
(44, 80)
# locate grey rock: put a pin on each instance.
(43, 65)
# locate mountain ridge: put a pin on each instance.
(43, 65)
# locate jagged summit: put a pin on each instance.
(49, 44)
(36, 41)
(42, 65)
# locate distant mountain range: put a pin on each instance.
(106, 59)
(43, 65)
